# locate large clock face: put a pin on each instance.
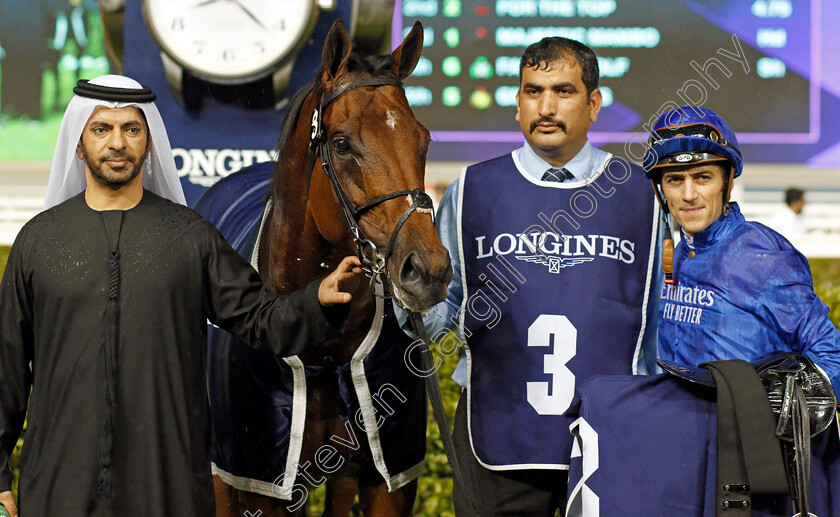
(229, 39)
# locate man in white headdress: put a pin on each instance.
(103, 310)
(67, 174)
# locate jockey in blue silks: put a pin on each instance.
(739, 290)
(735, 290)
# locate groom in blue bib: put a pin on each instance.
(553, 249)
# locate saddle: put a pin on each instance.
(768, 411)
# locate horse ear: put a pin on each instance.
(408, 53)
(337, 49)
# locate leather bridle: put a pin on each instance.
(374, 263)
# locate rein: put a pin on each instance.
(373, 263)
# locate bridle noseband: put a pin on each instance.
(373, 263)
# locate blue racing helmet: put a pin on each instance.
(691, 135)
(686, 136)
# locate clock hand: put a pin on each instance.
(250, 15)
(205, 2)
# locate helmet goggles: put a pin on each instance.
(691, 135)
(699, 130)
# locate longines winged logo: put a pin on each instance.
(555, 264)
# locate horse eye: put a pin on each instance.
(341, 145)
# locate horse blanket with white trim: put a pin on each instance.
(259, 401)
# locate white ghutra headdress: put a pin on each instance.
(67, 174)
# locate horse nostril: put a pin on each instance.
(413, 269)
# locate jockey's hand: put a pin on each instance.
(343, 278)
(9, 502)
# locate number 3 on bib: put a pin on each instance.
(557, 333)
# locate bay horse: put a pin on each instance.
(350, 410)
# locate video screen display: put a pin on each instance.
(770, 67)
(756, 62)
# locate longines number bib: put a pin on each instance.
(555, 280)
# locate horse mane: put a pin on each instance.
(373, 65)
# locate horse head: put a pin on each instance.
(367, 183)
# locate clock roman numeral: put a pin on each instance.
(199, 46)
(228, 54)
(280, 25)
(177, 24)
(259, 47)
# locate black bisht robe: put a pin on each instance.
(176, 272)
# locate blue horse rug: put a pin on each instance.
(647, 446)
(259, 401)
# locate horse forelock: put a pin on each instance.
(358, 65)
